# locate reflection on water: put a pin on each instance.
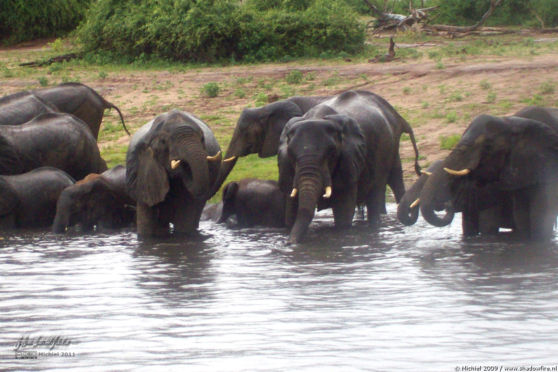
(230, 300)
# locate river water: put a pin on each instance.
(401, 298)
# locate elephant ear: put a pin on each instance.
(230, 191)
(352, 159)
(8, 198)
(277, 115)
(534, 155)
(146, 179)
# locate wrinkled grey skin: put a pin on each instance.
(54, 139)
(22, 107)
(212, 212)
(98, 200)
(29, 199)
(513, 164)
(165, 195)
(71, 98)
(350, 143)
(258, 130)
(254, 202)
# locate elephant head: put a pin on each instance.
(92, 201)
(408, 208)
(257, 131)
(494, 154)
(171, 151)
(229, 196)
(320, 160)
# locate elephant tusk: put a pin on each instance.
(293, 193)
(229, 159)
(426, 173)
(175, 164)
(214, 157)
(327, 194)
(462, 172)
(415, 203)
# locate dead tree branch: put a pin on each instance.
(465, 29)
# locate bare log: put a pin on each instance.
(493, 5)
(62, 58)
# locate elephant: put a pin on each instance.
(408, 207)
(29, 199)
(254, 202)
(505, 164)
(258, 130)
(348, 146)
(21, 107)
(97, 200)
(212, 212)
(71, 98)
(54, 139)
(171, 165)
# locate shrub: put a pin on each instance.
(210, 90)
(25, 20)
(221, 30)
(294, 77)
(449, 142)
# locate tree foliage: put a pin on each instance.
(25, 20)
(214, 30)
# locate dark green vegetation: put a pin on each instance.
(25, 20)
(222, 30)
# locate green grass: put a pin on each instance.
(449, 142)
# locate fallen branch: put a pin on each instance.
(464, 29)
(62, 58)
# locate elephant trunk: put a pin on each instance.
(234, 150)
(408, 208)
(435, 194)
(197, 180)
(63, 213)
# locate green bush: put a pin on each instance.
(221, 30)
(210, 90)
(25, 20)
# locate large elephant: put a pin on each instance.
(21, 107)
(171, 165)
(29, 199)
(72, 98)
(98, 200)
(348, 146)
(57, 140)
(509, 162)
(254, 202)
(258, 131)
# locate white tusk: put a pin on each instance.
(327, 194)
(293, 193)
(175, 164)
(462, 172)
(426, 172)
(415, 203)
(214, 157)
(229, 159)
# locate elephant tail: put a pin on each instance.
(110, 105)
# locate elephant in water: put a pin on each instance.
(98, 200)
(54, 139)
(71, 98)
(258, 131)
(514, 161)
(254, 203)
(29, 199)
(171, 165)
(342, 152)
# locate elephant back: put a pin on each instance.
(21, 107)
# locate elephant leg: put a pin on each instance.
(541, 214)
(521, 214)
(375, 204)
(490, 221)
(148, 223)
(344, 209)
(186, 214)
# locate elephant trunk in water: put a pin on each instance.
(309, 185)
(436, 193)
(62, 218)
(233, 152)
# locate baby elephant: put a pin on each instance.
(98, 199)
(29, 199)
(254, 202)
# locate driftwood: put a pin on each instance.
(386, 21)
(62, 58)
(466, 29)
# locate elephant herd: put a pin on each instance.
(339, 152)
